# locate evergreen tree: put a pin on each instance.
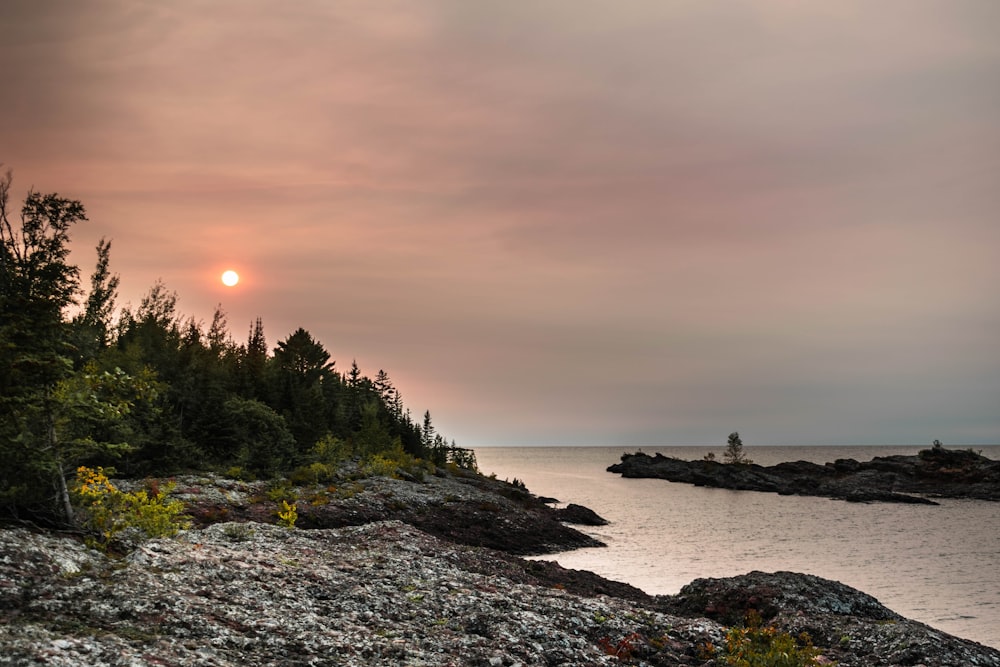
(253, 361)
(94, 325)
(427, 432)
(218, 332)
(303, 367)
(734, 450)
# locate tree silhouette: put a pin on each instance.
(734, 450)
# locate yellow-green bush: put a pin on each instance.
(107, 511)
(288, 514)
(380, 465)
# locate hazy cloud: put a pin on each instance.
(555, 223)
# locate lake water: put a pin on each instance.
(936, 564)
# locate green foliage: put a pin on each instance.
(281, 490)
(755, 645)
(154, 393)
(734, 451)
(107, 511)
(331, 450)
(462, 457)
(397, 464)
(255, 436)
(314, 473)
(240, 473)
(380, 465)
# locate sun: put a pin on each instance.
(230, 278)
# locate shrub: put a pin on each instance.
(380, 466)
(240, 473)
(331, 450)
(754, 645)
(288, 514)
(313, 473)
(107, 511)
(281, 490)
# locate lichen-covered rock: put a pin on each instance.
(373, 591)
(850, 626)
(388, 594)
(466, 508)
(380, 594)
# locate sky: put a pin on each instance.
(553, 223)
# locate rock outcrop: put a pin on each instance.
(933, 473)
(461, 507)
(852, 628)
(377, 591)
(386, 593)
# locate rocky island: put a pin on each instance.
(387, 571)
(932, 473)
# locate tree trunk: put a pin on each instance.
(64, 492)
(60, 472)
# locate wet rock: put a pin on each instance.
(580, 515)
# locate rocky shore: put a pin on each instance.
(933, 473)
(402, 579)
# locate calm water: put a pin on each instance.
(938, 565)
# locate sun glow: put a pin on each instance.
(230, 278)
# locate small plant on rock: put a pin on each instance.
(623, 648)
(288, 514)
(755, 645)
(237, 532)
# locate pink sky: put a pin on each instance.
(554, 223)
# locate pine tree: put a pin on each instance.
(734, 450)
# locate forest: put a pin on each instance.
(148, 392)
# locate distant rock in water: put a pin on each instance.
(933, 473)
(580, 515)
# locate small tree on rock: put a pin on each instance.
(734, 450)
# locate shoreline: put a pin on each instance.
(386, 591)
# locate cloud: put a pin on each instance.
(555, 223)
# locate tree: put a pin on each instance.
(427, 432)
(253, 361)
(218, 332)
(303, 369)
(89, 420)
(94, 324)
(37, 284)
(734, 450)
(254, 436)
